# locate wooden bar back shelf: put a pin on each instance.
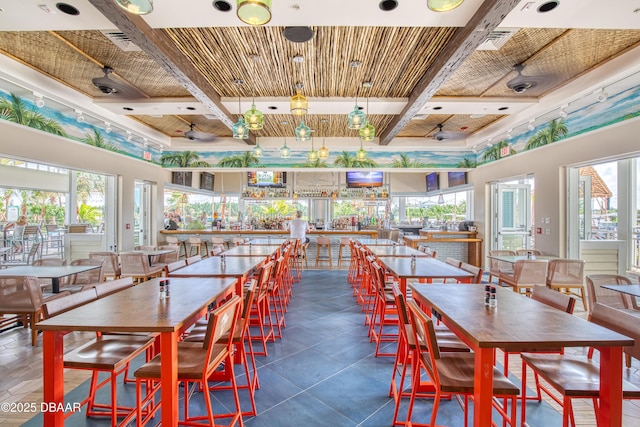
(439, 239)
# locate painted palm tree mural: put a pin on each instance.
(14, 109)
(348, 160)
(471, 163)
(554, 131)
(493, 153)
(317, 163)
(405, 162)
(96, 139)
(183, 159)
(242, 160)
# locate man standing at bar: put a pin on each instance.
(298, 228)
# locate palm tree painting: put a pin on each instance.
(405, 162)
(242, 160)
(317, 163)
(468, 163)
(14, 109)
(555, 131)
(347, 160)
(97, 140)
(493, 153)
(183, 159)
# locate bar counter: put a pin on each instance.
(462, 245)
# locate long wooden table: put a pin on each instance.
(425, 268)
(137, 309)
(521, 323)
(395, 251)
(246, 250)
(53, 272)
(236, 267)
(376, 242)
(267, 242)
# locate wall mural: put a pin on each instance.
(619, 106)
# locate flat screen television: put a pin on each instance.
(457, 178)
(361, 179)
(433, 182)
(206, 181)
(266, 179)
(182, 178)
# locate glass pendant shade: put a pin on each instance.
(285, 152)
(367, 133)
(356, 119)
(254, 12)
(303, 132)
(443, 5)
(137, 7)
(323, 152)
(240, 129)
(299, 104)
(257, 150)
(254, 118)
(361, 154)
(313, 155)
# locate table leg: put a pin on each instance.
(53, 376)
(610, 412)
(483, 386)
(169, 378)
(55, 285)
(403, 285)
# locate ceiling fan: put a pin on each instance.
(521, 83)
(196, 135)
(442, 135)
(111, 87)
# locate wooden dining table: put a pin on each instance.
(377, 242)
(425, 268)
(519, 323)
(395, 251)
(152, 253)
(265, 242)
(53, 272)
(245, 250)
(137, 309)
(237, 267)
(633, 290)
(512, 259)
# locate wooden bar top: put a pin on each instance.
(265, 232)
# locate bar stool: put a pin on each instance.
(182, 245)
(195, 247)
(323, 242)
(344, 242)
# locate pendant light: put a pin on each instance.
(254, 117)
(368, 132)
(285, 152)
(443, 5)
(356, 119)
(323, 152)
(361, 154)
(254, 12)
(313, 154)
(137, 7)
(257, 150)
(303, 132)
(239, 128)
(299, 104)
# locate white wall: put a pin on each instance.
(547, 164)
(29, 144)
(33, 179)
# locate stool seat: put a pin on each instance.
(323, 242)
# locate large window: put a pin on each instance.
(434, 211)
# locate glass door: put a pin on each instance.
(511, 216)
(142, 214)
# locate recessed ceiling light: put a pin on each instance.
(190, 108)
(548, 6)
(298, 59)
(222, 6)
(355, 64)
(68, 9)
(127, 108)
(388, 5)
(503, 108)
(437, 108)
(272, 107)
(367, 84)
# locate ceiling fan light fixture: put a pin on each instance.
(303, 132)
(254, 118)
(254, 12)
(443, 5)
(137, 7)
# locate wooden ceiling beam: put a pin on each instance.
(159, 46)
(463, 43)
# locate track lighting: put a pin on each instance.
(79, 116)
(107, 127)
(39, 100)
(602, 96)
(129, 136)
(509, 135)
(530, 125)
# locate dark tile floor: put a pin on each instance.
(323, 372)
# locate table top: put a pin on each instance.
(512, 259)
(245, 250)
(140, 309)
(211, 267)
(425, 267)
(399, 251)
(516, 323)
(154, 252)
(377, 242)
(633, 290)
(267, 242)
(46, 271)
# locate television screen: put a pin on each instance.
(457, 178)
(364, 179)
(182, 178)
(266, 179)
(433, 182)
(206, 181)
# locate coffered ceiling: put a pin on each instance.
(424, 68)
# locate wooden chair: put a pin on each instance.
(176, 265)
(110, 287)
(22, 297)
(567, 274)
(323, 242)
(169, 257)
(454, 262)
(597, 294)
(578, 377)
(193, 259)
(526, 274)
(136, 266)
(495, 266)
(196, 247)
(80, 280)
(453, 373)
(476, 271)
(111, 264)
(218, 250)
(528, 251)
(196, 363)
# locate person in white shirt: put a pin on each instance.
(298, 228)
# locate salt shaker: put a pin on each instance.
(413, 261)
(487, 295)
(166, 287)
(223, 259)
(163, 290)
(493, 302)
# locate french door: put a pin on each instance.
(511, 216)
(142, 214)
